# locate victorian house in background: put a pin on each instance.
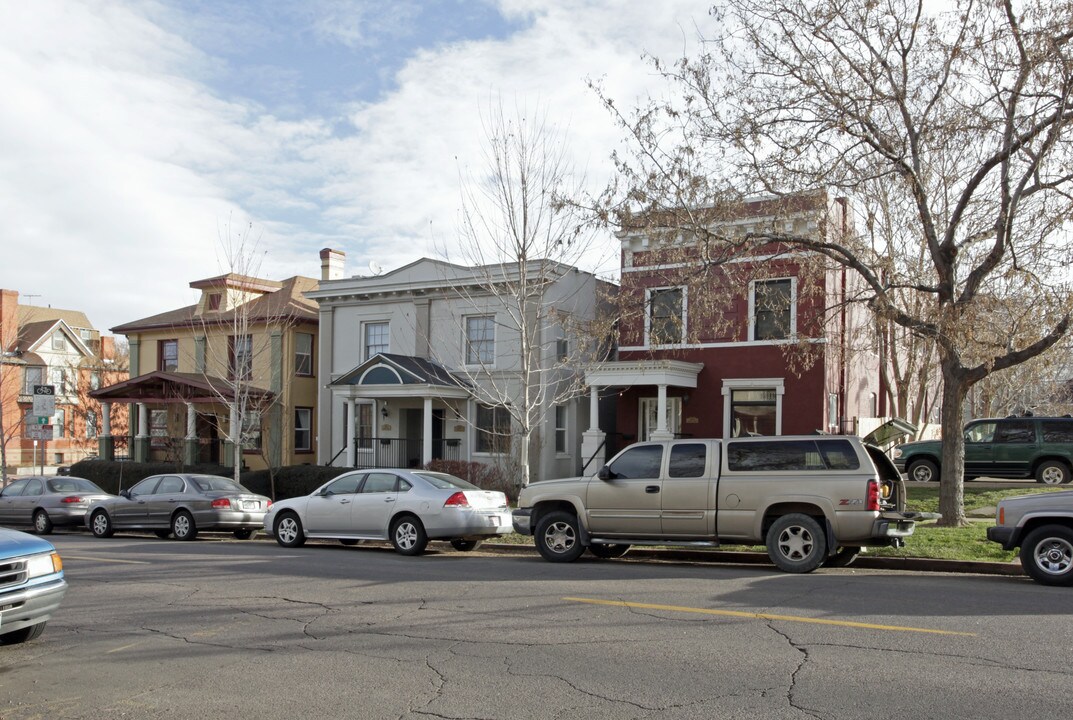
(44, 346)
(235, 368)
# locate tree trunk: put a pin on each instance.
(952, 472)
(523, 456)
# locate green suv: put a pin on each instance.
(1011, 447)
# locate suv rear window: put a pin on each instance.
(1017, 432)
(783, 455)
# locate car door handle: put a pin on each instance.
(651, 489)
(344, 502)
(389, 499)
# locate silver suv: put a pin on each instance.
(811, 500)
(1042, 526)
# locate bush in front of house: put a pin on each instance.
(290, 481)
(486, 477)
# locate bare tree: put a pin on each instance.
(962, 116)
(524, 241)
(109, 364)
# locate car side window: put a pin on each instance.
(1016, 432)
(980, 433)
(1057, 431)
(404, 485)
(379, 483)
(145, 487)
(643, 461)
(170, 485)
(346, 485)
(34, 487)
(687, 460)
(14, 488)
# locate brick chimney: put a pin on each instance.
(332, 263)
(9, 319)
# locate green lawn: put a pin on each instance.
(929, 541)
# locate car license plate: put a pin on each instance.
(251, 505)
(493, 521)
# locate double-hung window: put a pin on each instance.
(303, 429)
(303, 354)
(773, 311)
(480, 340)
(168, 356)
(377, 339)
(493, 429)
(666, 317)
(241, 357)
(32, 375)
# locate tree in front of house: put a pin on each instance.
(525, 241)
(950, 128)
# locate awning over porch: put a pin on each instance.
(390, 375)
(173, 387)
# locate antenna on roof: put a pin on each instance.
(30, 297)
(374, 267)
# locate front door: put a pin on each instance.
(164, 499)
(375, 504)
(629, 501)
(328, 513)
(208, 437)
(649, 417)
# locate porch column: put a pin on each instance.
(190, 449)
(141, 440)
(661, 433)
(426, 441)
(593, 440)
(106, 443)
(349, 431)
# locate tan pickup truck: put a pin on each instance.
(812, 500)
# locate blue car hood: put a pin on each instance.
(14, 543)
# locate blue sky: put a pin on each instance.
(134, 133)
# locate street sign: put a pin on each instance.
(43, 420)
(44, 400)
(39, 432)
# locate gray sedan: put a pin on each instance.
(47, 502)
(407, 507)
(181, 505)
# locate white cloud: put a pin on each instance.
(121, 164)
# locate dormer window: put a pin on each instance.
(214, 301)
(59, 342)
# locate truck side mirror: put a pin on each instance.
(604, 473)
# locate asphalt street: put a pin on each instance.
(221, 628)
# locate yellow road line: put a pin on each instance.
(764, 616)
(125, 647)
(100, 559)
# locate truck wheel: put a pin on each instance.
(796, 543)
(24, 635)
(843, 557)
(608, 551)
(557, 537)
(1047, 555)
(1052, 472)
(923, 471)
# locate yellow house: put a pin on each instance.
(231, 379)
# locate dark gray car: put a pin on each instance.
(47, 502)
(181, 505)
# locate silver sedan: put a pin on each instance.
(181, 505)
(48, 502)
(407, 507)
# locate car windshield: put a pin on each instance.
(208, 484)
(444, 481)
(72, 484)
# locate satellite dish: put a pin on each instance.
(374, 267)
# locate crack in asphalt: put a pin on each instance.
(803, 660)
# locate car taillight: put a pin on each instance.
(268, 504)
(457, 500)
(72, 499)
(873, 495)
(1001, 515)
(221, 503)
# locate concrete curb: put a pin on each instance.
(720, 557)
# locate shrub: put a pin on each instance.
(291, 481)
(486, 477)
(112, 476)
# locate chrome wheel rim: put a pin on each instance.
(406, 535)
(40, 522)
(795, 543)
(560, 537)
(1054, 556)
(181, 526)
(922, 474)
(1052, 475)
(287, 531)
(100, 524)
